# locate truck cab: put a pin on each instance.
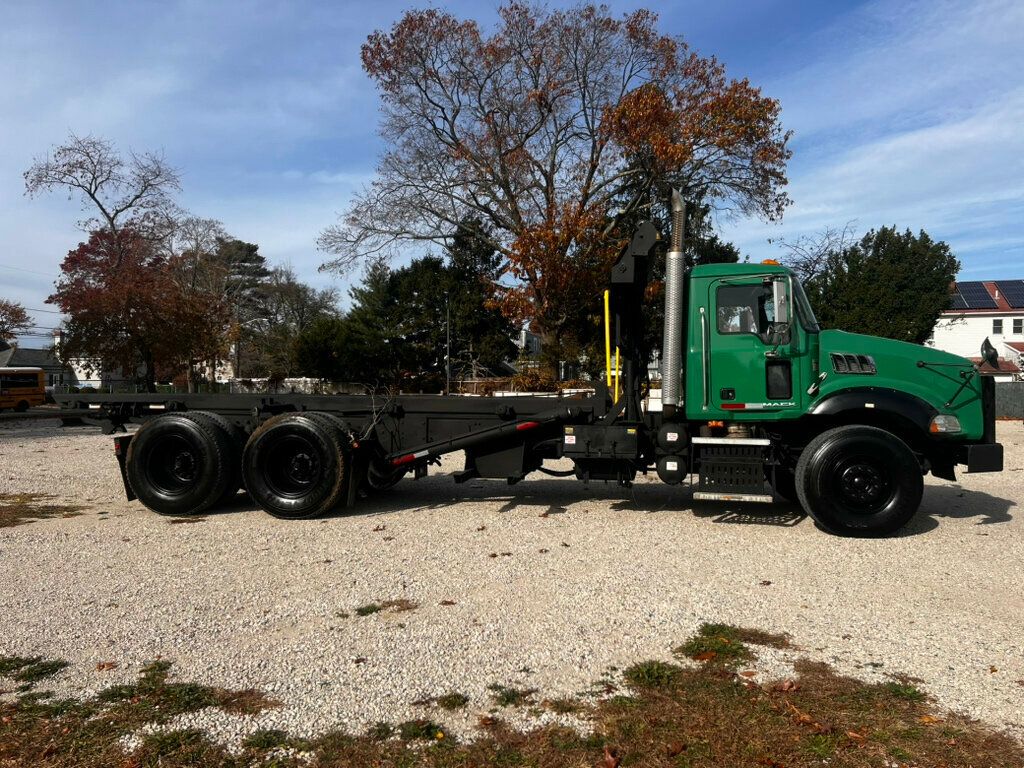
(843, 423)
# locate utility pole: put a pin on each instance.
(448, 344)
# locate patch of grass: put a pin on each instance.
(904, 691)
(563, 706)
(652, 674)
(381, 731)
(29, 670)
(505, 696)
(421, 730)
(395, 606)
(822, 744)
(266, 739)
(24, 508)
(720, 644)
(452, 701)
(245, 702)
(697, 716)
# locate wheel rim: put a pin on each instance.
(173, 465)
(863, 484)
(293, 467)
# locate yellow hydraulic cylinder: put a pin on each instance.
(607, 341)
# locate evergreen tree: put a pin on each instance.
(889, 284)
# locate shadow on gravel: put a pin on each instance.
(553, 497)
(958, 503)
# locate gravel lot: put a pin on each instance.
(552, 584)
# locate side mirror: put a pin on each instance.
(778, 334)
(989, 354)
(780, 298)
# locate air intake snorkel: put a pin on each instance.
(676, 268)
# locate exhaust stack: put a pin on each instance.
(675, 290)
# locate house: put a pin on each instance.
(13, 356)
(992, 309)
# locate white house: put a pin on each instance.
(992, 309)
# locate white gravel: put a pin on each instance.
(584, 579)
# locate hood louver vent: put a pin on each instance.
(862, 364)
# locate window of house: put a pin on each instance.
(1018, 325)
(997, 327)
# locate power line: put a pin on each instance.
(49, 311)
(29, 271)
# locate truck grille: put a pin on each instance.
(862, 364)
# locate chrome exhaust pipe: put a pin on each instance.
(675, 290)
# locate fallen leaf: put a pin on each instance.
(482, 528)
(766, 583)
(611, 758)
(544, 551)
(359, 660)
(389, 538)
(787, 685)
(855, 736)
(992, 670)
(749, 673)
(675, 748)
(379, 528)
(486, 721)
(767, 762)
(928, 719)
(506, 554)
(705, 656)
(493, 554)
(565, 545)
(103, 666)
(447, 602)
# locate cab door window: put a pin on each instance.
(747, 308)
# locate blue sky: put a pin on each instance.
(906, 113)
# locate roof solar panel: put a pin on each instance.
(976, 295)
(957, 302)
(1013, 292)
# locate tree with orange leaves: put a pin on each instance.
(128, 308)
(553, 129)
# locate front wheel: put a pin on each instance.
(859, 481)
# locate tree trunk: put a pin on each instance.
(147, 358)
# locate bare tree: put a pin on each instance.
(134, 190)
(554, 130)
(808, 255)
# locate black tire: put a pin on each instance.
(22, 406)
(295, 465)
(177, 465)
(380, 478)
(859, 481)
(785, 484)
(234, 441)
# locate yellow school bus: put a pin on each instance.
(21, 388)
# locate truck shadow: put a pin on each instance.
(555, 497)
(958, 503)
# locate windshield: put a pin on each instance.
(803, 309)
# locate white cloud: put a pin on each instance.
(914, 121)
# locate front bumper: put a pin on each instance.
(984, 457)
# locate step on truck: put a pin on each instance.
(758, 404)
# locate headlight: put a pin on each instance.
(944, 424)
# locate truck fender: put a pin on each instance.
(886, 401)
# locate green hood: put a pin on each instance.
(930, 374)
